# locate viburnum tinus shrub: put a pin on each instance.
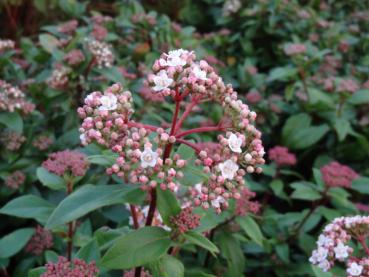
(159, 160)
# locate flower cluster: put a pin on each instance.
(294, 49)
(68, 27)
(74, 57)
(67, 162)
(333, 245)
(186, 220)
(144, 150)
(281, 156)
(13, 99)
(42, 142)
(76, 268)
(335, 174)
(40, 241)
(348, 85)
(231, 6)
(245, 205)
(101, 51)
(12, 140)
(6, 44)
(59, 77)
(131, 273)
(15, 180)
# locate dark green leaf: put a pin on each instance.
(167, 205)
(49, 179)
(12, 243)
(200, 240)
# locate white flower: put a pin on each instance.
(162, 81)
(174, 58)
(149, 158)
(324, 241)
(324, 265)
(341, 251)
(82, 138)
(228, 169)
(355, 269)
(235, 143)
(318, 255)
(199, 74)
(108, 102)
(198, 187)
(217, 201)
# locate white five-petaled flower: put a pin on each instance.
(174, 58)
(217, 202)
(198, 187)
(355, 269)
(235, 143)
(108, 102)
(341, 251)
(228, 169)
(324, 265)
(324, 241)
(82, 138)
(199, 74)
(149, 158)
(318, 255)
(162, 81)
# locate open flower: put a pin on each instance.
(341, 251)
(149, 158)
(174, 58)
(355, 269)
(162, 81)
(199, 74)
(108, 102)
(217, 202)
(228, 169)
(235, 143)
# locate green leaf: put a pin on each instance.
(320, 273)
(304, 191)
(137, 248)
(29, 206)
(36, 272)
(89, 252)
(50, 44)
(316, 96)
(200, 240)
(251, 228)
(283, 251)
(304, 138)
(293, 123)
(167, 204)
(361, 185)
(359, 97)
(50, 180)
(12, 120)
(12, 243)
(282, 74)
(342, 127)
(230, 249)
(105, 160)
(87, 199)
(167, 266)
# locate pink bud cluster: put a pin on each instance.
(6, 44)
(281, 156)
(348, 85)
(13, 99)
(254, 97)
(101, 51)
(40, 241)
(68, 27)
(244, 205)
(335, 174)
(131, 273)
(76, 268)
(294, 49)
(333, 245)
(59, 77)
(74, 57)
(142, 18)
(99, 32)
(12, 140)
(186, 220)
(42, 142)
(15, 180)
(67, 162)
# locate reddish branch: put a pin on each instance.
(201, 130)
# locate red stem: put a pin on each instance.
(134, 216)
(190, 144)
(186, 113)
(361, 239)
(200, 130)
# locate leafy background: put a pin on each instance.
(295, 111)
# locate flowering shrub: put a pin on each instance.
(184, 138)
